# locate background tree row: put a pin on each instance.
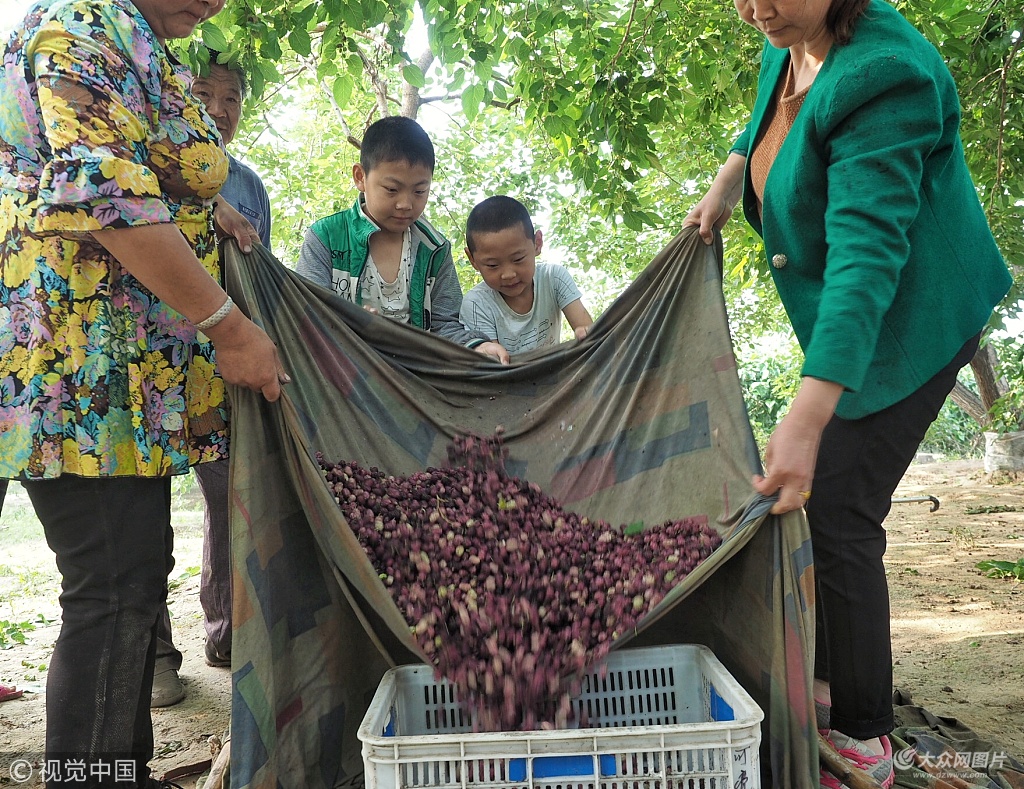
(607, 118)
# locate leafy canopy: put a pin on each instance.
(609, 117)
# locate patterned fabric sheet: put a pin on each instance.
(937, 752)
(644, 420)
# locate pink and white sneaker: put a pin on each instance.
(878, 766)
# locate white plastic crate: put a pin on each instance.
(659, 718)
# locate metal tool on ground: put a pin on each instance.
(912, 499)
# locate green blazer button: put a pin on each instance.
(779, 261)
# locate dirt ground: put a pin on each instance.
(958, 636)
(29, 585)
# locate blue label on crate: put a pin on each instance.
(720, 709)
(561, 767)
(389, 728)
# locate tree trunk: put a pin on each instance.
(411, 99)
(970, 403)
(989, 387)
(1004, 451)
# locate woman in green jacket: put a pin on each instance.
(852, 171)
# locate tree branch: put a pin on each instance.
(969, 403)
(625, 37)
(289, 76)
(341, 116)
(1005, 71)
(983, 365)
(380, 84)
(411, 99)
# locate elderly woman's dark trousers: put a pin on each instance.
(113, 543)
(860, 463)
(215, 581)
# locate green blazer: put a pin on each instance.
(878, 245)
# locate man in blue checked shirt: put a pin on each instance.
(222, 87)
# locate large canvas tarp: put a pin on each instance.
(945, 752)
(644, 420)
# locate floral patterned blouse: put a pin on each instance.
(98, 130)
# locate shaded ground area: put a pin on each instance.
(958, 636)
(29, 585)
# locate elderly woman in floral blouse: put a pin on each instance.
(111, 311)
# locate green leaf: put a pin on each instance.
(351, 15)
(414, 75)
(472, 98)
(257, 83)
(553, 124)
(1001, 569)
(355, 64)
(656, 109)
(300, 41)
(269, 71)
(270, 47)
(342, 90)
(213, 37)
(306, 14)
(326, 68)
(480, 53)
(470, 106)
(329, 42)
(636, 527)
(483, 71)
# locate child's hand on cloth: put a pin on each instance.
(493, 349)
